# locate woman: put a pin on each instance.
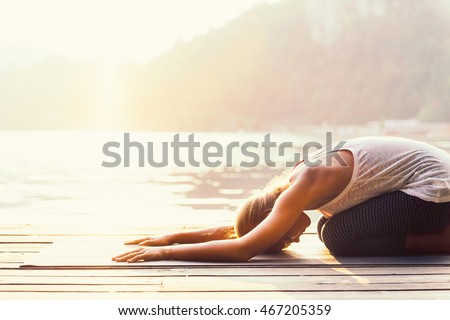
(378, 196)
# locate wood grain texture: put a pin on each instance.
(350, 295)
(68, 266)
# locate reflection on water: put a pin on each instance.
(55, 180)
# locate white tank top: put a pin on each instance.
(386, 164)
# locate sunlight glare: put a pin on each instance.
(111, 30)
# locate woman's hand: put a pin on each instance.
(144, 254)
(151, 241)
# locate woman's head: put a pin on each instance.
(258, 206)
(253, 211)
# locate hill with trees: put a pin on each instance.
(281, 65)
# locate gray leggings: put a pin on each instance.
(380, 225)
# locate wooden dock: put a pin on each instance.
(43, 264)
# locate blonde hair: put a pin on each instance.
(258, 206)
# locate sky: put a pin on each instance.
(108, 30)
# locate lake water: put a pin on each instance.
(55, 180)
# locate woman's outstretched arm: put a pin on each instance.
(214, 251)
(196, 236)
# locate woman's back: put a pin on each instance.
(386, 164)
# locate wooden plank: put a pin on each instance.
(8, 247)
(2, 252)
(28, 239)
(307, 283)
(9, 265)
(17, 256)
(353, 295)
(241, 271)
(221, 283)
(283, 280)
(79, 281)
(217, 288)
